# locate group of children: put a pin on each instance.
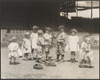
(39, 43)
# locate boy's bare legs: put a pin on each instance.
(58, 55)
(27, 56)
(14, 60)
(89, 62)
(62, 56)
(47, 53)
(73, 56)
(10, 61)
(32, 54)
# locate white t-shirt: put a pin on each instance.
(48, 38)
(13, 49)
(85, 46)
(13, 46)
(26, 45)
(34, 39)
(40, 41)
(73, 43)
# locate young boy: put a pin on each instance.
(13, 50)
(86, 52)
(47, 41)
(73, 44)
(34, 39)
(40, 45)
(61, 38)
(26, 46)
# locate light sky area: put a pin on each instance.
(87, 13)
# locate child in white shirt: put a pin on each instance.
(86, 53)
(73, 44)
(34, 39)
(40, 45)
(26, 46)
(47, 41)
(13, 50)
(61, 38)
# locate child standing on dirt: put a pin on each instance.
(47, 41)
(40, 45)
(73, 44)
(61, 38)
(13, 50)
(34, 39)
(26, 46)
(86, 52)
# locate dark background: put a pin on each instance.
(23, 14)
(29, 12)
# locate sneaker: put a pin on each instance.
(10, 63)
(62, 60)
(30, 58)
(71, 60)
(90, 66)
(74, 61)
(80, 66)
(57, 60)
(14, 63)
(20, 56)
(47, 59)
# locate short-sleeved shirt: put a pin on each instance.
(34, 39)
(48, 38)
(26, 45)
(73, 43)
(40, 41)
(61, 37)
(85, 46)
(13, 49)
(13, 46)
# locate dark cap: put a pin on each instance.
(74, 30)
(35, 27)
(61, 27)
(48, 28)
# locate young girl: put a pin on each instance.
(34, 39)
(61, 38)
(26, 46)
(86, 52)
(13, 50)
(73, 44)
(40, 45)
(47, 41)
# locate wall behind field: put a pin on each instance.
(23, 14)
(81, 24)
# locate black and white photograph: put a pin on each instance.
(49, 39)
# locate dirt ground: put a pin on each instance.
(63, 70)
